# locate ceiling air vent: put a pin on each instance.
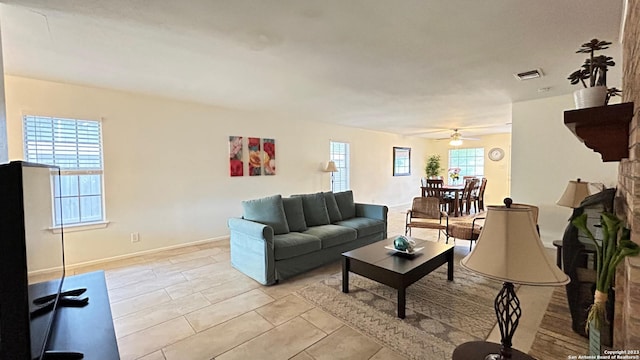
(528, 75)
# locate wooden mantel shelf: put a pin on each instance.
(604, 129)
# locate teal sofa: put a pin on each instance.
(277, 237)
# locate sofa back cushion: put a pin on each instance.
(315, 209)
(332, 207)
(268, 211)
(295, 213)
(346, 204)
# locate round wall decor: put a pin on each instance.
(496, 154)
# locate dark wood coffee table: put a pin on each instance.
(396, 270)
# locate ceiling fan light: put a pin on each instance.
(455, 142)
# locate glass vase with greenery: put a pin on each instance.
(433, 166)
(613, 248)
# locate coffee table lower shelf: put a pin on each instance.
(397, 271)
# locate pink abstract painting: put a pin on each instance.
(269, 159)
(255, 165)
(236, 165)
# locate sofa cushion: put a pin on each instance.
(364, 226)
(332, 235)
(346, 204)
(315, 209)
(294, 213)
(332, 207)
(294, 244)
(269, 211)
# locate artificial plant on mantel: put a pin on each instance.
(595, 70)
(615, 246)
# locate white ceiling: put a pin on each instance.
(404, 66)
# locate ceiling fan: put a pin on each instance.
(456, 138)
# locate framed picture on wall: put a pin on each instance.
(401, 161)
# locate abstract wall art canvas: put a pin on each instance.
(236, 165)
(269, 157)
(255, 165)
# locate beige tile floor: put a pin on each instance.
(189, 303)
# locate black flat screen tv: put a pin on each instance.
(31, 257)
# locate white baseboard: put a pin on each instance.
(144, 252)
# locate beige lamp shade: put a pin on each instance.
(510, 250)
(331, 167)
(573, 195)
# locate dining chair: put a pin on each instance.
(478, 197)
(435, 189)
(465, 198)
(423, 214)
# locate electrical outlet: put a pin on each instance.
(135, 237)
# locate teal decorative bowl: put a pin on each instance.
(402, 243)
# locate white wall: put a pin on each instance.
(166, 163)
(546, 155)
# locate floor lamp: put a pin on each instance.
(331, 167)
(509, 249)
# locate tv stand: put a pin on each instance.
(85, 330)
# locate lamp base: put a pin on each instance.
(497, 357)
(507, 307)
(483, 350)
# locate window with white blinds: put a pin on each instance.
(76, 147)
(339, 153)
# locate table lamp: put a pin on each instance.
(573, 195)
(509, 249)
(331, 167)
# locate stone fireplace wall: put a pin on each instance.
(627, 308)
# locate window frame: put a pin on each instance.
(35, 155)
(401, 154)
(479, 157)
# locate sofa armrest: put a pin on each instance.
(372, 211)
(252, 249)
(252, 229)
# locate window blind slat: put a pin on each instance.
(68, 143)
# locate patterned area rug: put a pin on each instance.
(440, 315)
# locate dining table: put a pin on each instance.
(450, 188)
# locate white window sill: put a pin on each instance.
(80, 227)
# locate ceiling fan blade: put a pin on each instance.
(427, 132)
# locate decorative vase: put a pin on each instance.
(590, 97)
(601, 337)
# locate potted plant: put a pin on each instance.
(615, 246)
(433, 166)
(595, 70)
